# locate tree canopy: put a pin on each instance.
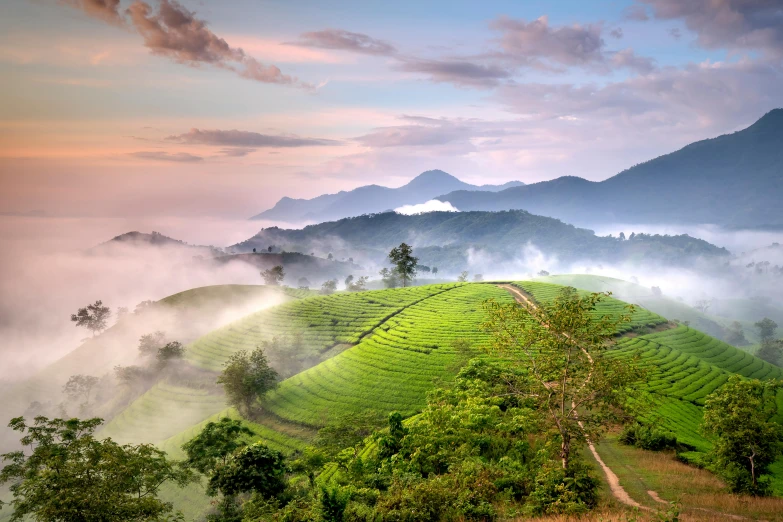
(404, 263)
(246, 377)
(94, 317)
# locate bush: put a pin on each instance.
(648, 438)
(560, 491)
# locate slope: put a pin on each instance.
(731, 180)
(371, 198)
(443, 239)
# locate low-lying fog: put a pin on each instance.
(48, 273)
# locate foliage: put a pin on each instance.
(766, 328)
(358, 285)
(246, 377)
(254, 468)
(389, 278)
(303, 283)
(94, 480)
(404, 263)
(563, 344)
(463, 277)
(569, 491)
(273, 276)
(214, 444)
(736, 335)
(746, 442)
(94, 317)
(172, 350)
(771, 350)
(328, 287)
(149, 344)
(648, 437)
(348, 431)
(79, 387)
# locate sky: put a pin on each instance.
(121, 108)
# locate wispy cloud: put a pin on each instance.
(246, 139)
(175, 33)
(178, 157)
(342, 40)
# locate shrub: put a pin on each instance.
(648, 438)
(563, 491)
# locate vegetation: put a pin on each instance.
(329, 287)
(562, 345)
(747, 442)
(93, 479)
(273, 276)
(404, 263)
(246, 378)
(93, 317)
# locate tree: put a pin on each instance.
(94, 317)
(79, 387)
(172, 350)
(149, 344)
(389, 278)
(463, 277)
(771, 350)
(246, 377)
(270, 249)
(273, 276)
(64, 474)
(143, 307)
(478, 278)
(122, 311)
(656, 290)
(736, 335)
(702, 305)
(622, 236)
(543, 273)
(577, 390)
(746, 441)
(303, 283)
(255, 468)
(404, 263)
(358, 286)
(434, 270)
(254, 250)
(329, 287)
(766, 328)
(348, 281)
(330, 256)
(214, 444)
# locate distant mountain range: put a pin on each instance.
(373, 198)
(456, 241)
(733, 180)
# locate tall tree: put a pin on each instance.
(766, 328)
(79, 388)
(273, 276)
(562, 346)
(329, 287)
(404, 263)
(246, 377)
(64, 474)
(94, 317)
(746, 441)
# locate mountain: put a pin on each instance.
(455, 241)
(732, 180)
(372, 198)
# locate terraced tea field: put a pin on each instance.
(323, 322)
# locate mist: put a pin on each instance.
(50, 270)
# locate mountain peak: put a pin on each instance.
(432, 176)
(771, 121)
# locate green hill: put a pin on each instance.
(384, 350)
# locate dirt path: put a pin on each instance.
(611, 477)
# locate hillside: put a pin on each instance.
(732, 180)
(372, 198)
(315, 269)
(384, 350)
(445, 240)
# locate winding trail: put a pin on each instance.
(611, 477)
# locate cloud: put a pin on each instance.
(432, 205)
(617, 32)
(636, 12)
(246, 139)
(675, 33)
(732, 24)
(105, 10)
(456, 71)
(538, 45)
(175, 33)
(343, 40)
(179, 157)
